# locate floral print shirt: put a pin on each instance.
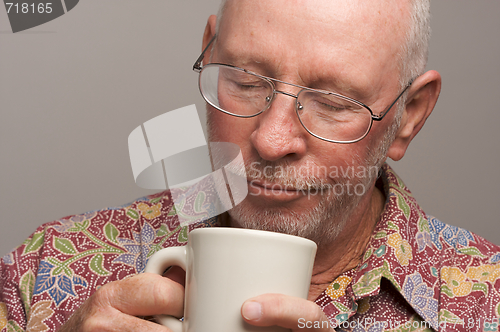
(418, 274)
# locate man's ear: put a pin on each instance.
(208, 35)
(422, 96)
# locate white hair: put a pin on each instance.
(415, 49)
(413, 55)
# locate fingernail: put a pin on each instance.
(252, 310)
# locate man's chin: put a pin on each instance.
(321, 224)
(264, 220)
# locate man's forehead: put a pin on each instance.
(374, 24)
(338, 36)
(364, 13)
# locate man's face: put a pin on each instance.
(300, 184)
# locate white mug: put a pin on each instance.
(227, 266)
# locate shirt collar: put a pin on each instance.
(390, 254)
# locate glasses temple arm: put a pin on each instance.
(380, 117)
(197, 64)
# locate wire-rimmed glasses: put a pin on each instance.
(326, 115)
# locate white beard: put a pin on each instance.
(321, 223)
(324, 222)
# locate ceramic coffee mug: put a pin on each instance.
(227, 266)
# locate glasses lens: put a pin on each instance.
(332, 117)
(234, 91)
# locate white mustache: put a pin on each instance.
(282, 175)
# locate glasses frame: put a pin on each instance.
(197, 67)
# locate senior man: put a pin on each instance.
(317, 94)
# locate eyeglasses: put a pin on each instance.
(326, 115)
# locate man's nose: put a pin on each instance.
(279, 133)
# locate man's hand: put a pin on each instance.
(114, 307)
(293, 313)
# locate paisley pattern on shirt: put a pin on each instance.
(55, 270)
(418, 274)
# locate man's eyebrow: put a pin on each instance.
(333, 83)
(254, 64)
(244, 59)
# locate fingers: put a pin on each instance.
(143, 295)
(176, 274)
(115, 320)
(114, 306)
(285, 311)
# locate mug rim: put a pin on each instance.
(233, 231)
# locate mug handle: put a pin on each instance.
(158, 263)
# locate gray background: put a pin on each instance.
(73, 89)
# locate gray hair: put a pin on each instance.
(415, 49)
